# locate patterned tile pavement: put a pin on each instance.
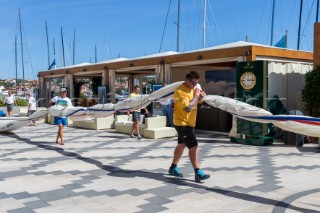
(103, 171)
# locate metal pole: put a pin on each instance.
(74, 45)
(286, 38)
(63, 59)
(16, 62)
(54, 49)
(272, 24)
(204, 22)
(301, 3)
(95, 53)
(317, 13)
(22, 59)
(178, 27)
(49, 61)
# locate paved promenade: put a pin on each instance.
(103, 171)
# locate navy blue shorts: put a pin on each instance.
(59, 120)
(136, 116)
(9, 107)
(186, 135)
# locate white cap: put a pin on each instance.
(63, 89)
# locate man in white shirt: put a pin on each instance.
(31, 107)
(62, 100)
(10, 102)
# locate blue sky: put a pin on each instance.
(133, 28)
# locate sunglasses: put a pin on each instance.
(192, 82)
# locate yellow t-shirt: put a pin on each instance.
(132, 95)
(182, 97)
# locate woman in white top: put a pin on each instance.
(10, 102)
(31, 107)
(61, 121)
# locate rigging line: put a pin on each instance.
(308, 18)
(188, 28)
(199, 25)
(269, 27)
(194, 19)
(29, 55)
(293, 13)
(12, 58)
(215, 21)
(164, 28)
(264, 6)
(193, 26)
(281, 17)
(196, 24)
(235, 22)
(294, 8)
(211, 32)
(17, 33)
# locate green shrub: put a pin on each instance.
(22, 102)
(311, 91)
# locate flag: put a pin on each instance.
(52, 65)
(282, 43)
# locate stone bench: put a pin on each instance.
(23, 111)
(123, 124)
(154, 127)
(162, 132)
(96, 123)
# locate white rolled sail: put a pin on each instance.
(299, 124)
(100, 110)
(304, 125)
(131, 104)
(165, 93)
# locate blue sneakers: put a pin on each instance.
(200, 175)
(175, 172)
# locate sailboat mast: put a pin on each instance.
(95, 54)
(272, 23)
(286, 38)
(301, 3)
(178, 27)
(317, 13)
(48, 45)
(54, 49)
(107, 48)
(22, 61)
(74, 45)
(204, 22)
(16, 62)
(63, 58)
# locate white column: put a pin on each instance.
(104, 76)
(69, 84)
(43, 93)
(167, 73)
(159, 73)
(111, 87)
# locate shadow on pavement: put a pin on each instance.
(279, 206)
